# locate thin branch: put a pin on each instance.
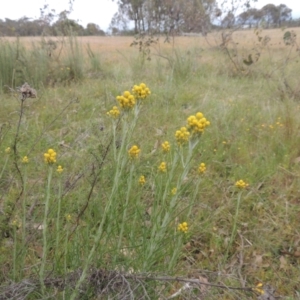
(104, 282)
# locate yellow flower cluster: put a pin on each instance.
(16, 223)
(166, 146)
(127, 100)
(134, 152)
(183, 227)
(241, 184)
(50, 157)
(259, 288)
(162, 167)
(59, 169)
(68, 217)
(141, 91)
(7, 150)
(25, 160)
(182, 135)
(202, 168)
(142, 180)
(174, 191)
(114, 112)
(197, 123)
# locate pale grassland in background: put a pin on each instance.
(111, 43)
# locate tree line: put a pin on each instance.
(270, 15)
(175, 16)
(164, 16)
(46, 26)
(156, 16)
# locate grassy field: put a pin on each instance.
(221, 205)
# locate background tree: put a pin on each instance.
(251, 17)
(46, 18)
(133, 11)
(166, 15)
(272, 15)
(285, 14)
(229, 20)
(93, 29)
(64, 25)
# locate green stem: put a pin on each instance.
(66, 249)
(98, 236)
(15, 254)
(158, 232)
(159, 227)
(24, 212)
(126, 206)
(45, 246)
(18, 129)
(119, 168)
(24, 208)
(177, 249)
(171, 174)
(194, 197)
(58, 220)
(114, 126)
(4, 166)
(120, 164)
(233, 232)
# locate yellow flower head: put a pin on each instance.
(141, 91)
(162, 167)
(202, 168)
(25, 160)
(174, 191)
(241, 184)
(142, 180)
(16, 223)
(50, 157)
(134, 152)
(59, 169)
(196, 124)
(7, 150)
(68, 217)
(182, 135)
(259, 288)
(126, 101)
(183, 227)
(114, 112)
(166, 146)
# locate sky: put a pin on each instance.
(93, 11)
(84, 11)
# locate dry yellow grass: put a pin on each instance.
(108, 44)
